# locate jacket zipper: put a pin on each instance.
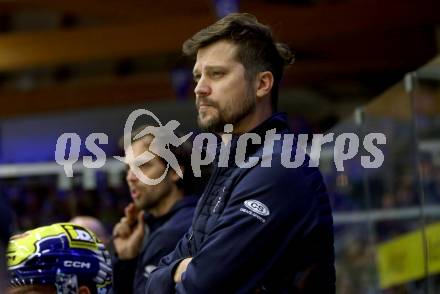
(189, 243)
(205, 196)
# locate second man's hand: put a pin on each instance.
(129, 233)
(181, 268)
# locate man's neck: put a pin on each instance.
(249, 122)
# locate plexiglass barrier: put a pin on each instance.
(387, 217)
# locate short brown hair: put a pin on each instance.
(257, 50)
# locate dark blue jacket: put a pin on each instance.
(256, 230)
(130, 276)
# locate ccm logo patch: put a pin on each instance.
(76, 264)
(257, 207)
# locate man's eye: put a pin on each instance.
(144, 166)
(217, 74)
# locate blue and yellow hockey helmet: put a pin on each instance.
(64, 255)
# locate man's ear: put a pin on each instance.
(264, 83)
(84, 290)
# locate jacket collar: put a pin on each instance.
(277, 121)
(188, 200)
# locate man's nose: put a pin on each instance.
(202, 88)
(131, 177)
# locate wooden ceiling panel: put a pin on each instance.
(323, 21)
(108, 92)
(30, 49)
(111, 11)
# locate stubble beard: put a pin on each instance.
(153, 198)
(231, 114)
(148, 203)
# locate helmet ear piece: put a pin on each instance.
(64, 255)
(66, 284)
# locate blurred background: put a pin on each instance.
(362, 66)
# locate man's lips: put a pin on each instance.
(134, 193)
(201, 102)
(205, 106)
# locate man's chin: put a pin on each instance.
(210, 124)
(139, 205)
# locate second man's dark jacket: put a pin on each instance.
(130, 276)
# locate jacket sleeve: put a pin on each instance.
(161, 280)
(242, 246)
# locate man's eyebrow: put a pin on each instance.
(213, 67)
(210, 68)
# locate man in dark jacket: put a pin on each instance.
(263, 223)
(158, 217)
